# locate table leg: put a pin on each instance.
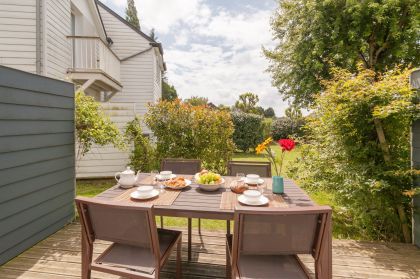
(189, 239)
(228, 227)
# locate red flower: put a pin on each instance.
(286, 144)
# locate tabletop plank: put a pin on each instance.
(194, 203)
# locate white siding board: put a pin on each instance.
(17, 35)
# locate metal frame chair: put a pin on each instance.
(183, 166)
(266, 242)
(263, 169)
(139, 250)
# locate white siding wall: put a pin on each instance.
(57, 48)
(18, 34)
(138, 77)
(157, 84)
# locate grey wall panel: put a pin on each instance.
(33, 127)
(25, 157)
(37, 165)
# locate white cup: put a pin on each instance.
(252, 195)
(252, 178)
(145, 190)
(165, 174)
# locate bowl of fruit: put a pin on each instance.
(209, 181)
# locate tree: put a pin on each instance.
(93, 126)
(269, 113)
(247, 103)
(131, 14)
(315, 36)
(152, 34)
(197, 101)
(168, 91)
(359, 150)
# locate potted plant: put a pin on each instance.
(265, 148)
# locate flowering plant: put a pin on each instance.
(285, 144)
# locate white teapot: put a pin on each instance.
(127, 178)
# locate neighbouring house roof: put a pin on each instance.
(152, 42)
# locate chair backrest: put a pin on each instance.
(119, 223)
(263, 169)
(181, 166)
(275, 231)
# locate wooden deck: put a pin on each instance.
(58, 257)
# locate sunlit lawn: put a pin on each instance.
(90, 188)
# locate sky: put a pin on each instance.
(213, 48)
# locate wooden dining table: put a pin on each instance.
(192, 202)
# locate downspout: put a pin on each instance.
(38, 37)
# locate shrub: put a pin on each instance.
(93, 126)
(143, 155)
(285, 127)
(267, 127)
(192, 132)
(359, 149)
(248, 130)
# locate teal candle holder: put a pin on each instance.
(278, 185)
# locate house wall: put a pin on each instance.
(140, 77)
(37, 165)
(18, 34)
(56, 46)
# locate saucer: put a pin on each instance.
(160, 178)
(260, 181)
(263, 200)
(136, 195)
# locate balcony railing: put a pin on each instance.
(91, 53)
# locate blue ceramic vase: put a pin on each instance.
(278, 185)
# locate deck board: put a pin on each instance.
(58, 257)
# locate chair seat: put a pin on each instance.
(268, 266)
(136, 258)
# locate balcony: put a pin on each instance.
(94, 65)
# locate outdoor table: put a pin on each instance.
(193, 202)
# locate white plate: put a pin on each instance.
(136, 195)
(160, 178)
(260, 181)
(263, 200)
(187, 183)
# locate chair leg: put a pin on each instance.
(228, 227)
(161, 222)
(178, 260)
(87, 250)
(189, 239)
(199, 225)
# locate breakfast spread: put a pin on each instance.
(176, 183)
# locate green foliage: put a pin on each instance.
(191, 132)
(248, 103)
(197, 101)
(131, 14)
(315, 36)
(285, 127)
(143, 156)
(93, 126)
(267, 126)
(248, 130)
(168, 91)
(269, 113)
(346, 155)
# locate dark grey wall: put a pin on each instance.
(415, 155)
(37, 164)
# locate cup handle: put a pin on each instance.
(117, 174)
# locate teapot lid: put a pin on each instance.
(128, 171)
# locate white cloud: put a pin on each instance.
(213, 52)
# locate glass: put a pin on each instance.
(240, 176)
(261, 188)
(156, 181)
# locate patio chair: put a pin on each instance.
(263, 169)
(183, 166)
(266, 242)
(138, 250)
